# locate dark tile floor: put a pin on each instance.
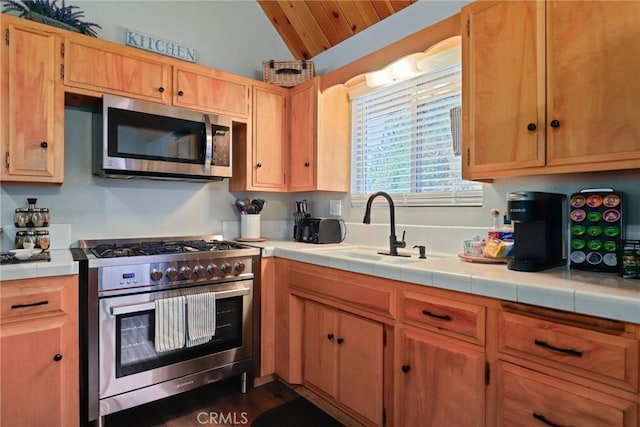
(219, 404)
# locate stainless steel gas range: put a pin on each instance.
(162, 316)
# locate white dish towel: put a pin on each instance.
(170, 327)
(201, 318)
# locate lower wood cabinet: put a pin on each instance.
(528, 398)
(390, 353)
(343, 358)
(39, 352)
(441, 381)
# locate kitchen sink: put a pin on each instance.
(371, 254)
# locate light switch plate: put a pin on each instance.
(335, 207)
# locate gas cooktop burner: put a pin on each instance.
(116, 250)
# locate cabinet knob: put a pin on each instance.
(406, 368)
(531, 126)
(57, 357)
(555, 123)
(44, 144)
(340, 340)
(329, 336)
(180, 93)
(306, 164)
(160, 89)
(259, 165)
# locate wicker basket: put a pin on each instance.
(287, 73)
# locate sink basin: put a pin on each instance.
(371, 254)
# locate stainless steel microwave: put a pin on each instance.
(144, 139)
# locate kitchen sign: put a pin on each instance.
(158, 45)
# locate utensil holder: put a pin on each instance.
(250, 226)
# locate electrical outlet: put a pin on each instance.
(335, 207)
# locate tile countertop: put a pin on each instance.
(597, 294)
(61, 264)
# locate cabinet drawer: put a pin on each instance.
(371, 295)
(528, 398)
(25, 298)
(596, 355)
(466, 321)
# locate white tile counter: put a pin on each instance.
(598, 294)
(61, 264)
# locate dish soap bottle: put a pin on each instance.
(494, 230)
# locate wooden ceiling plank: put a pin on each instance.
(401, 4)
(291, 12)
(352, 16)
(312, 26)
(367, 12)
(340, 23)
(383, 8)
(325, 22)
(284, 28)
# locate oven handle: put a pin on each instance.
(134, 308)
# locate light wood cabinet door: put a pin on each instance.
(211, 90)
(592, 82)
(333, 154)
(441, 381)
(260, 156)
(106, 68)
(360, 362)
(39, 350)
(503, 76)
(320, 350)
(343, 357)
(302, 139)
(527, 398)
(32, 105)
(269, 138)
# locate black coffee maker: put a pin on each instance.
(540, 230)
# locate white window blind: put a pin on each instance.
(402, 142)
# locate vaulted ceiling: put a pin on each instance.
(311, 27)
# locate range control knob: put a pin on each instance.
(225, 268)
(186, 272)
(156, 274)
(213, 270)
(171, 273)
(199, 271)
(239, 267)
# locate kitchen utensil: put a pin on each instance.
(259, 204)
(241, 206)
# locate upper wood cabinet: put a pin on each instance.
(549, 87)
(259, 158)
(31, 103)
(206, 89)
(109, 68)
(320, 149)
(105, 67)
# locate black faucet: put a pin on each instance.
(393, 243)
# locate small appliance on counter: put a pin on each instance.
(596, 229)
(320, 230)
(540, 230)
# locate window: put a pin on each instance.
(403, 134)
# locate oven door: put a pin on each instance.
(143, 138)
(128, 358)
